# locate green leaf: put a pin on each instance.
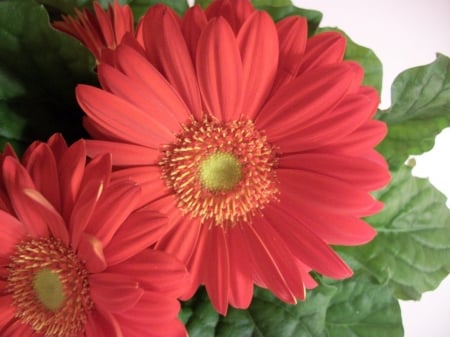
(11, 126)
(39, 68)
(65, 6)
(420, 110)
(373, 69)
(355, 307)
(140, 7)
(411, 252)
(203, 3)
(363, 308)
(267, 316)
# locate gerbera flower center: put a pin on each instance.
(49, 287)
(221, 172)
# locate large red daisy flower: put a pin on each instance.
(257, 142)
(73, 257)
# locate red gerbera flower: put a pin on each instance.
(257, 142)
(74, 258)
(103, 29)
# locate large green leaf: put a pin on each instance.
(266, 316)
(363, 308)
(39, 68)
(420, 110)
(355, 307)
(373, 69)
(411, 252)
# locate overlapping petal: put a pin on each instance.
(173, 59)
(217, 52)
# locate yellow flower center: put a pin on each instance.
(49, 287)
(220, 172)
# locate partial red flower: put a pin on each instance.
(101, 29)
(256, 142)
(74, 260)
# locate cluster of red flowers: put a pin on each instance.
(227, 150)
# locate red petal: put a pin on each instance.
(352, 112)
(234, 11)
(123, 154)
(7, 309)
(241, 282)
(113, 207)
(149, 180)
(173, 58)
(258, 44)
(114, 292)
(335, 229)
(102, 324)
(194, 21)
(57, 144)
(341, 230)
(155, 271)
(324, 193)
(16, 180)
(359, 172)
(219, 70)
(293, 34)
(121, 118)
(266, 270)
(71, 170)
(216, 262)
(196, 264)
(41, 165)
(308, 96)
(139, 231)
(18, 329)
(90, 250)
(306, 246)
(12, 232)
(281, 255)
(173, 328)
(154, 315)
(106, 29)
(181, 239)
(122, 20)
(173, 109)
(152, 308)
(360, 141)
(137, 93)
(96, 178)
(43, 209)
(96, 131)
(323, 49)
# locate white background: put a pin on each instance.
(404, 34)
